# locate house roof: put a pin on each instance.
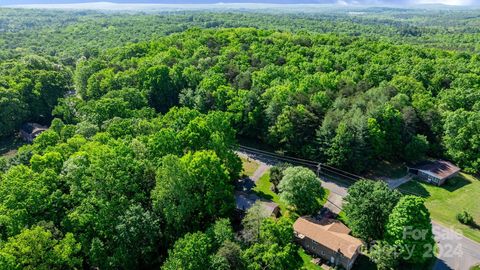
(338, 227)
(332, 234)
(245, 200)
(438, 168)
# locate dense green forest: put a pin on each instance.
(103, 191)
(317, 96)
(69, 35)
(347, 101)
(138, 167)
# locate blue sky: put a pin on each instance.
(358, 2)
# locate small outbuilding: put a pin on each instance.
(328, 239)
(244, 201)
(29, 131)
(434, 171)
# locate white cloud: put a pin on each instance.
(446, 2)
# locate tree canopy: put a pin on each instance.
(119, 197)
(347, 101)
(367, 207)
(137, 169)
(409, 229)
(301, 189)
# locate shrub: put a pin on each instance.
(465, 218)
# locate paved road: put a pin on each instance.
(455, 251)
(338, 190)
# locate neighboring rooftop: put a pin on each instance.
(330, 233)
(32, 127)
(246, 200)
(29, 131)
(438, 168)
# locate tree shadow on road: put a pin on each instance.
(441, 265)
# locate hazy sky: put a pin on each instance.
(344, 2)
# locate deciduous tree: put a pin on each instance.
(301, 189)
(367, 207)
(410, 229)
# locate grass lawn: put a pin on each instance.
(307, 261)
(457, 194)
(249, 166)
(263, 190)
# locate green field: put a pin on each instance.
(457, 194)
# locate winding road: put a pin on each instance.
(455, 251)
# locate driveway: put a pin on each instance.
(248, 183)
(262, 166)
(395, 183)
(334, 203)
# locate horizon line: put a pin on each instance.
(220, 3)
